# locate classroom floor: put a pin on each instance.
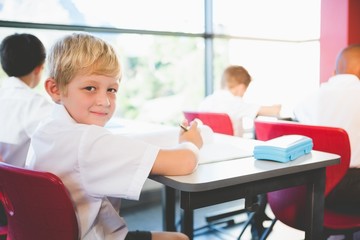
(149, 217)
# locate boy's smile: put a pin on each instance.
(91, 99)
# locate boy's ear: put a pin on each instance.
(53, 90)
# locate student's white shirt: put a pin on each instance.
(335, 103)
(223, 101)
(21, 110)
(96, 166)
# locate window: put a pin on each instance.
(162, 45)
(156, 83)
(159, 15)
(297, 20)
(162, 75)
(277, 41)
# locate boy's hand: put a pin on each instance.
(191, 135)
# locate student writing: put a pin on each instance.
(229, 99)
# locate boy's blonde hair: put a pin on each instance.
(235, 75)
(84, 54)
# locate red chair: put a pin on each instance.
(221, 123)
(218, 122)
(37, 205)
(288, 204)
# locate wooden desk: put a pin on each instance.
(220, 182)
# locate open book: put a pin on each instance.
(216, 147)
(225, 148)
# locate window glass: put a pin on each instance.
(160, 15)
(282, 72)
(277, 41)
(275, 19)
(161, 75)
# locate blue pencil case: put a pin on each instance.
(283, 149)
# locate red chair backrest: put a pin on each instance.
(218, 122)
(288, 204)
(37, 205)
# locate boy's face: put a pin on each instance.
(91, 99)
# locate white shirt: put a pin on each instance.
(96, 166)
(335, 104)
(21, 110)
(223, 101)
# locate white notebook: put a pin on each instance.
(216, 147)
(218, 151)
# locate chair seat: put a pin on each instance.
(288, 204)
(37, 205)
(340, 221)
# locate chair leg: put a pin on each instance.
(268, 230)
(257, 218)
(246, 224)
(260, 217)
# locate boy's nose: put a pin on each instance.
(103, 100)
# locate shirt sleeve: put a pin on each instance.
(242, 109)
(114, 165)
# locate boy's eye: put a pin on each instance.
(90, 88)
(112, 90)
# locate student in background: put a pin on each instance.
(22, 59)
(99, 167)
(229, 99)
(335, 104)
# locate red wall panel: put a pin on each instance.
(333, 34)
(340, 27)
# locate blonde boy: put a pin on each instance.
(98, 167)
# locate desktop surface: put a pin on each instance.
(243, 170)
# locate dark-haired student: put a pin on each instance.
(22, 59)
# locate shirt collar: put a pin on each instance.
(14, 82)
(344, 78)
(62, 114)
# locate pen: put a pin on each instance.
(183, 127)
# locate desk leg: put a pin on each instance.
(187, 226)
(169, 217)
(315, 202)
